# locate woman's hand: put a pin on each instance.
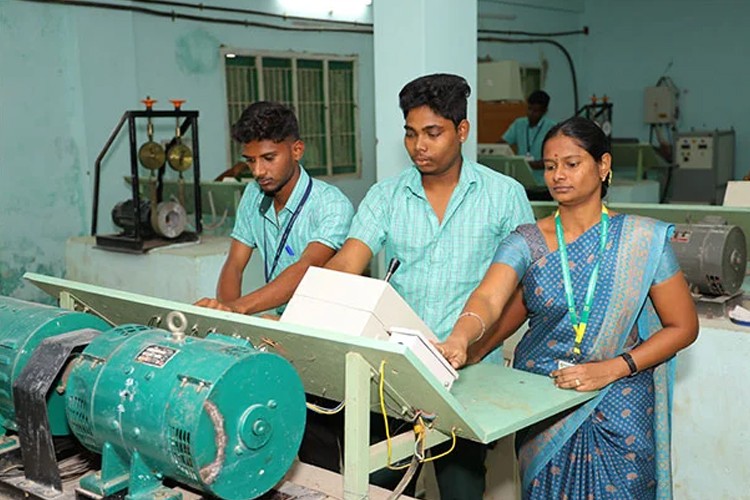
(454, 350)
(590, 376)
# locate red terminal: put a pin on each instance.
(148, 102)
(593, 99)
(177, 103)
(605, 99)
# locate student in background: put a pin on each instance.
(527, 133)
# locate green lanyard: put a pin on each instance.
(579, 327)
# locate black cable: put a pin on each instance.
(667, 184)
(583, 31)
(551, 42)
(189, 17)
(201, 6)
(285, 17)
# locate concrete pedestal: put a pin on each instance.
(183, 273)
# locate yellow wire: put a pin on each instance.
(381, 385)
(419, 429)
(453, 446)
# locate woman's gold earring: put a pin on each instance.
(609, 178)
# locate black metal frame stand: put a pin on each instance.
(137, 243)
(599, 112)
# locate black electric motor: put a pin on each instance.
(169, 220)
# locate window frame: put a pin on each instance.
(293, 57)
(525, 69)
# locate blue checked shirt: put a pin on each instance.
(324, 218)
(441, 264)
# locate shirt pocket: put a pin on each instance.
(472, 248)
(411, 235)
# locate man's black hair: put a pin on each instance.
(539, 97)
(444, 94)
(266, 120)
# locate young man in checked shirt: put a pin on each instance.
(442, 218)
(293, 220)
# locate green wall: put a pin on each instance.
(67, 75)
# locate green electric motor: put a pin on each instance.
(214, 413)
(23, 326)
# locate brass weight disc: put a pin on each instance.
(180, 157)
(151, 155)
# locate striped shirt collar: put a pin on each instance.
(291, 204)
(467, 178)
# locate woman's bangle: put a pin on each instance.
(481, 322)
(631, 363)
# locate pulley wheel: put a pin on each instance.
(170, 219)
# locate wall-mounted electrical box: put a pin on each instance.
(659, 105)
(499, 81)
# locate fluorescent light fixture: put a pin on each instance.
(230, 55)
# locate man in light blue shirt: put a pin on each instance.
(293, 220)
(442, 218)
(527, 133)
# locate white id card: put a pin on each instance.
(564, 364)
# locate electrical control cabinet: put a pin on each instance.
(705, 161)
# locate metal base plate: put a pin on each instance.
(129, 244)
(717, 307)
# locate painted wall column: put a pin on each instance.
(412, 39)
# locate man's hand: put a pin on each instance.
(215, 304)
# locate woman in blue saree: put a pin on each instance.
(608, 309)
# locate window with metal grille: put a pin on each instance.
(532, 78)
(322, 91)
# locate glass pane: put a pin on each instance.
(242, 90)
(242, 80)
(277, 80)
(343, 125)
(311, 114)
(531, 80)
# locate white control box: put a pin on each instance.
(366, 307)
(426, 353)
(350, 304)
